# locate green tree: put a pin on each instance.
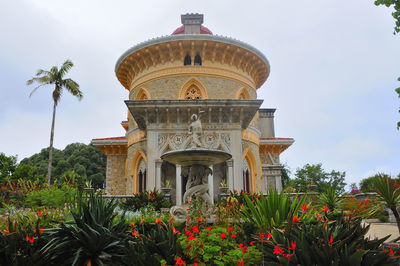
(55, 77)
(316, 175)
(395, 14)
(26, 172)
(388, 191)
(285, 176)
(8, 165)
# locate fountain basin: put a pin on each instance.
(199, 156)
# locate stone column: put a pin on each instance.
(237, 159)
(211, 185)
(158, 174)
(230, 182)
(178, 185)
(152, 152)
(278, 183)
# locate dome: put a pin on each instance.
(181, 30)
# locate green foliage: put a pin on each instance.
(86, 161)
(326, 242)
(330, 198)
(285, 176)
(217, 246)
(148, 199)
(96, 235)
(8, 164)
(157, 245)
(395, 14)
(53, 196)
(314, 174)
(273, 211)
(388, 191)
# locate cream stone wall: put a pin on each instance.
(169, 87)
(115, 174)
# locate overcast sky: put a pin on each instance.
(334, 66)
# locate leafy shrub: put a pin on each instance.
(217, 246)
(53, 196)
(330, 198)
(148, 199)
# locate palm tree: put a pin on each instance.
(388, 191)
(55, 77)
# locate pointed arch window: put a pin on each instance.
(187, 61)
(192, 93)
(142, 176)
(246, 176)
(197, 60)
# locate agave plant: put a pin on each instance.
(339, 242)
(273, 211)
(330, 198)
(95, 236)
(388, 191)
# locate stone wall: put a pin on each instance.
(169, 87)
(115, 182)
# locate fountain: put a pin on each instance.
(197, 159)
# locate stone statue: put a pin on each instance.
(196, 130)
(197, 183)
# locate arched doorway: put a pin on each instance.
(246, 176)
(142, 176)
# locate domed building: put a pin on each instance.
(190, 72)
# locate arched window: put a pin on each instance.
(246, 176)
(192, 93)
(142, 176)
(187, 61)
(197, 60)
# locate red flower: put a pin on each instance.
(39, 213)
(288, 256)
(195, 264)
(353, 211)
(261, 236)
(293, 245)
(179, 261)
(208, 228)
(30, 239)
(304, 207)
(325, 209)
(330, 241)
(157, 221)
(41, 230)
(222, 236)
(269, 235)
(240, 262)
(233, 236)
(200, 220)
(195, 229)
(191, 237)
(295, 219)
(278, 250)
(148, 197)
(189, 247)
(242, 247)
(391, 252)
(252, 243)
(229, 229)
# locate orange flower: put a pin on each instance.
(135, 233)
(200, 219)
(39, 213)
(157, 221)
(304, 207)
(132, 224)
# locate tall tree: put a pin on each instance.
(55, 77)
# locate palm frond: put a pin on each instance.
(67, 65)
(35, 89)
(72, 87)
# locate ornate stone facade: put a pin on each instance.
(171, 78)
